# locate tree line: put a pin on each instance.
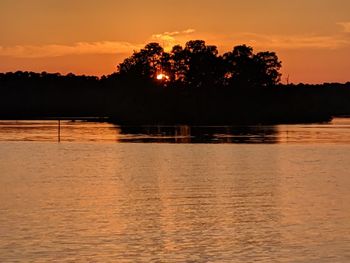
(193, 84)
(198, 65)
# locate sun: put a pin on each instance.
(162, 77)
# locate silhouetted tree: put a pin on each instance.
(143, 64)
(199, 65)
(201, 87)
(244, 68)
(179, 65)
(268, 66)
(40, 95)
(203, 66)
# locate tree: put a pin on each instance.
(143, 64)
(244, 68)
(200, 64)
(179, 65)
(268, 68)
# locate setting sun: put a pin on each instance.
(162, 77)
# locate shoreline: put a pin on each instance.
(166, 123)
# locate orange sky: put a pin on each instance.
(311, 37)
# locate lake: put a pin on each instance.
(110, 193)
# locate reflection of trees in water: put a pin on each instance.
(199, 134)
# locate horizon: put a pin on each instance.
(91, 38)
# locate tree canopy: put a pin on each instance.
(199, 65)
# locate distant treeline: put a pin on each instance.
(189, 85)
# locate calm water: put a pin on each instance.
(265, 194)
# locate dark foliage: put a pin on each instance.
(188, 85)
(198, 65)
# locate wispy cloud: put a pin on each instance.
(57, 50)
(258, 41)
(345, 26)
(294, 41)
(169, 39)
(84, 48)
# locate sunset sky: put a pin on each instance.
(311, 37)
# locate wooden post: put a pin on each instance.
(59, 131)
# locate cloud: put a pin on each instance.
(345, 26)
(57, 50)
(85, 48)
(173, 35)
(169, 39)
(294, 41)
(258, 41)
(188, 31)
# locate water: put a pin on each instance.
(337, 132)
(266, 194)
